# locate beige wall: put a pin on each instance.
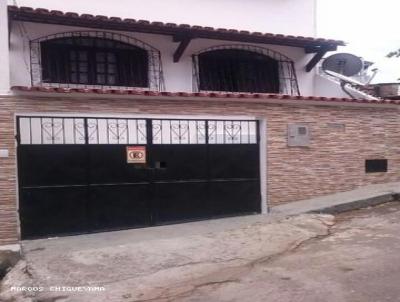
(333, 162)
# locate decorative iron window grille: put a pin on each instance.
(94, 59)
(244, 68)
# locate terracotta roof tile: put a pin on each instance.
(87, 16)
(42, 10)
(100, 17)
(129, 20)
(44, 15)
(54, 12)
(116, 19)
(198, 94)
(72, 15)
(26, 9)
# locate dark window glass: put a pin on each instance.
(376, 165)
(238, 70)
(94, 61)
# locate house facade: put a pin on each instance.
(112, 122)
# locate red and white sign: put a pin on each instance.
(136, 154)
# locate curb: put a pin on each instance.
(358, 204)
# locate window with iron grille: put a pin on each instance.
(96, 59)
(244, 68)
(93, 61)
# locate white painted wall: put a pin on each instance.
(329, 88)
(274, 16)
(4, 53)
(178, 76)
(295, 17)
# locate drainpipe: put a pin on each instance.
(4, 50)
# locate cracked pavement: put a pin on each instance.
(302, 258)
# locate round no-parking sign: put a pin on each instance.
(136, 154)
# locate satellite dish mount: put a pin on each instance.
(343, 66)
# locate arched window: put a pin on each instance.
(243, 68)
(95, 59)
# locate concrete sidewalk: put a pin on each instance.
(359, 198)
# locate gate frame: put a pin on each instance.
(263, 151)
(262, 142)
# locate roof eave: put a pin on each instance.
(45, 16)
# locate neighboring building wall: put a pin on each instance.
(333, 162)
(178, 76)
(274, 16)
(4, 51)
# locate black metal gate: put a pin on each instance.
(74, 175)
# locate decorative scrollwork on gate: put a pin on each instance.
(79, 133)
(117, 131)
(52, 131)
(69, 130)
(120, 131)
(212, 131)
(157, 131)
(178, 132)
(232, 132)
(204, 131)
(201, 131)
(93, 129)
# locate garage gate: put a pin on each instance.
(85, 174)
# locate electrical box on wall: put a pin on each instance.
(4, 153)
(298, 135)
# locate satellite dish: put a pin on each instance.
(343, 63)
(343, 66)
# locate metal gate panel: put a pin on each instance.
(118, 192)
(180, 182)
(179, 162)
(235, 197)
(53, 190)
(74, 175)
(107, 165)
(119, 206)
(234, 179)
(234, 161)
(50, 165)
(181, 201)
(53, 211)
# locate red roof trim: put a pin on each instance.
(43, 15)
(218, 95)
